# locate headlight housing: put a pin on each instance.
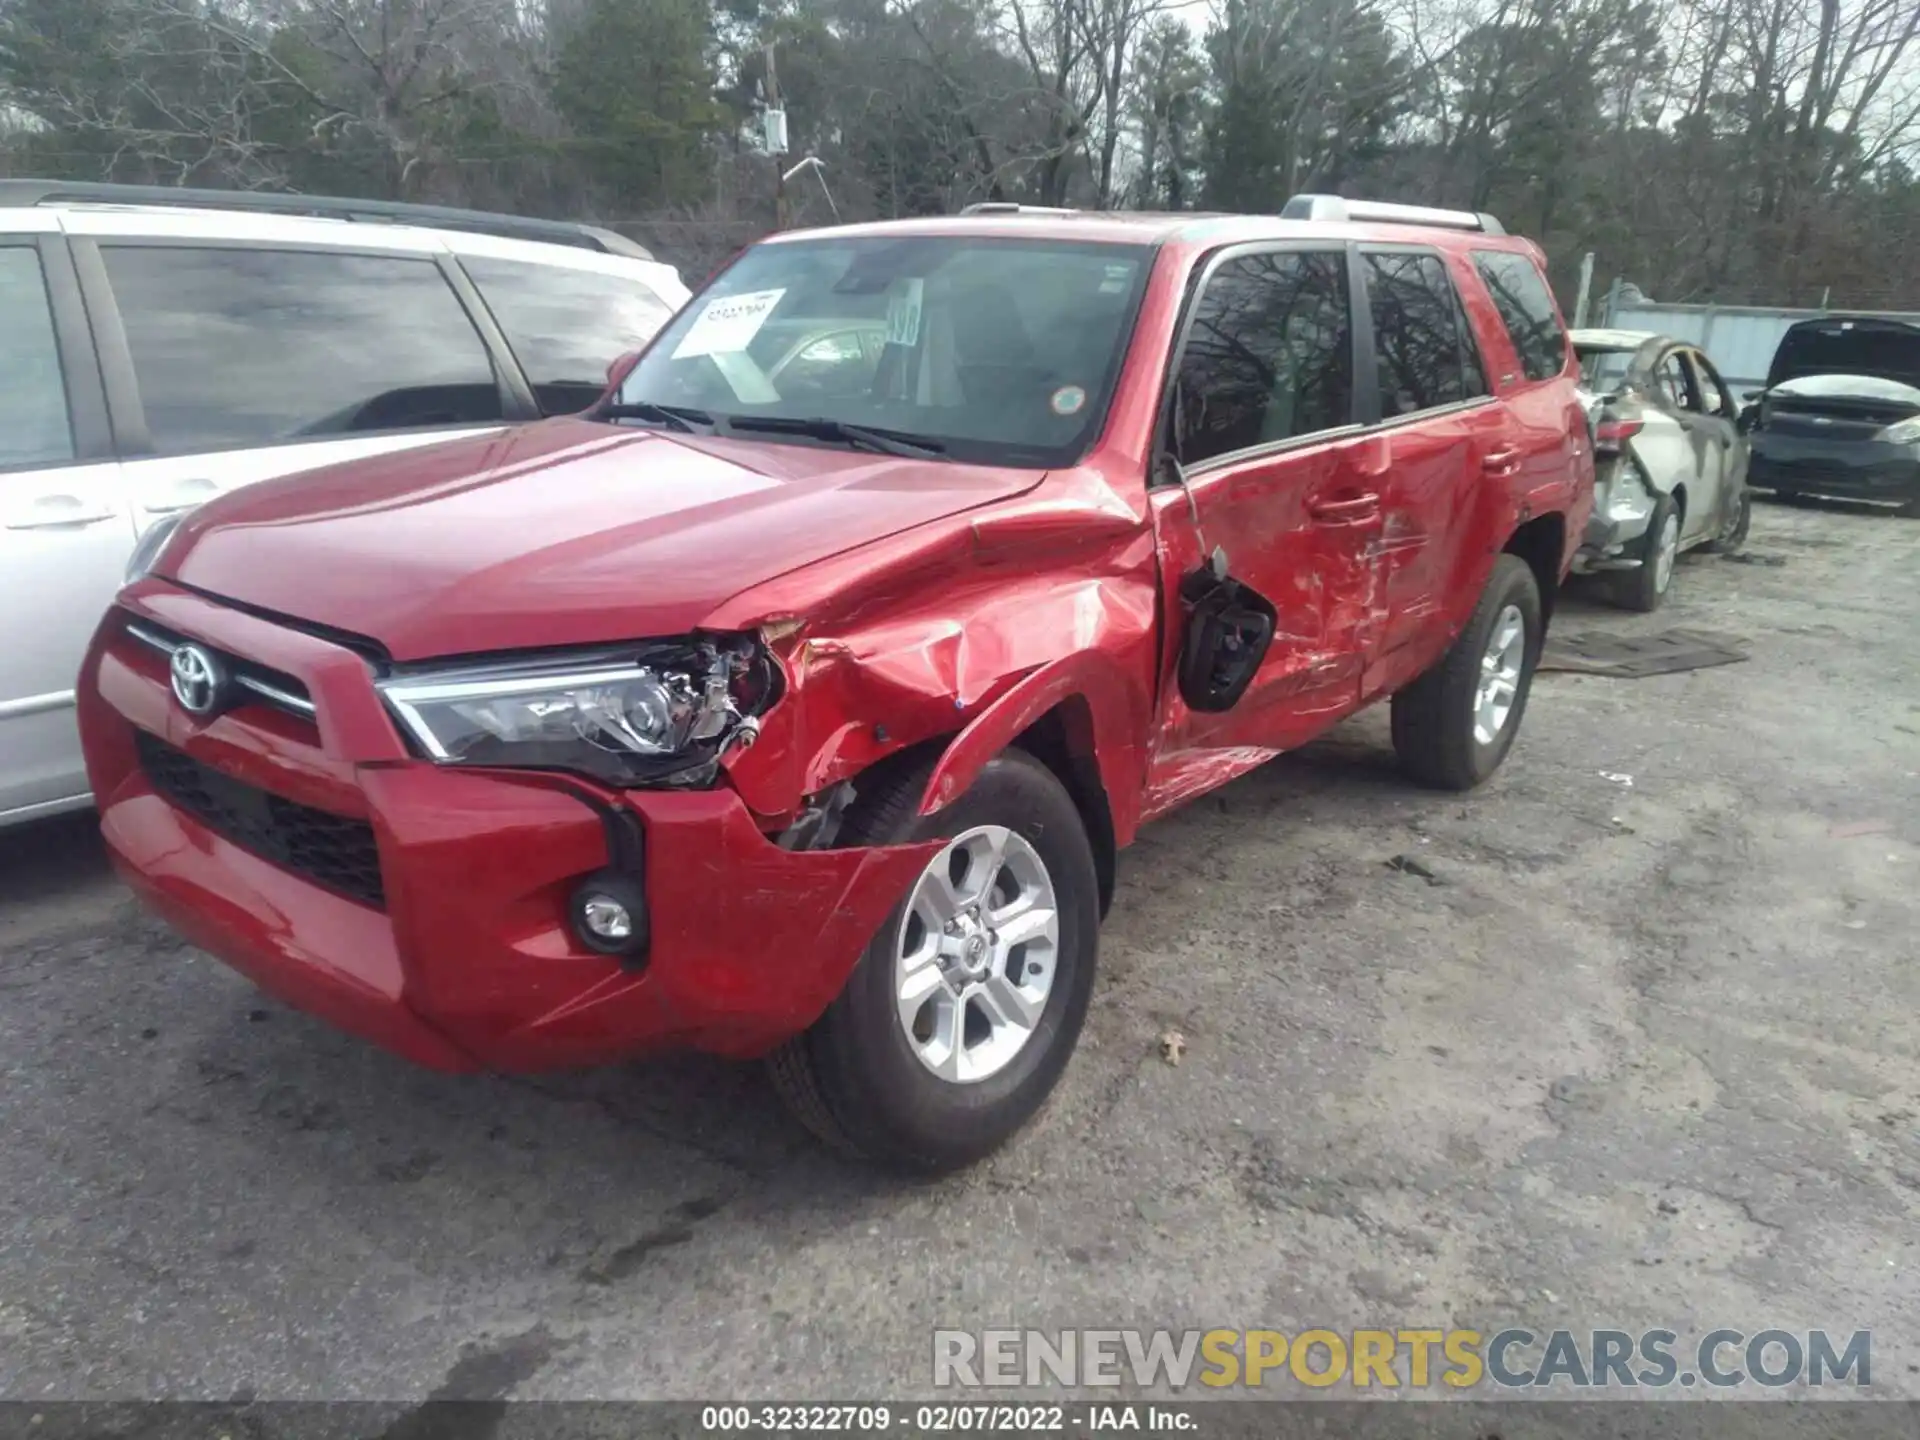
(661, 713)
(1902, 432)
(146, 551)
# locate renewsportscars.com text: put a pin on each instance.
(1458, 1359)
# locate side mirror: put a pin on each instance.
(1229, 629)
(621, 368)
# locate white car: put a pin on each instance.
(1670, 461)
(165, 346)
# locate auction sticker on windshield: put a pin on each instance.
(727, 323)
(904, 301)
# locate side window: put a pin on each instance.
(1671, 376)
(34, 427)
(566, 326)
(1526, 308)
(1269, 355)
(1714, 399)
(1422, 347)
(237, 348)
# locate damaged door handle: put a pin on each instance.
(1501, 462)
(1344, 512)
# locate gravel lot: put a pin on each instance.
(1643, 1055)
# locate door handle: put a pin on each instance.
(1501, 462)
(1344, 512)
(53, 512)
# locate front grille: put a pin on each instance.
(330, 850)
(254, 682)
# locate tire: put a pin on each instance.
(856, 1078)
(1732, 538)
(1435, 718)
(1645, 586)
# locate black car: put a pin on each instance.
(1841, 412)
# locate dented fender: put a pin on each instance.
(1104, 728)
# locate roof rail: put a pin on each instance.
(1333, 207)
(1008, 207)
(387, 212)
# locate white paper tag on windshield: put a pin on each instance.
(904, 301)
(727, 323)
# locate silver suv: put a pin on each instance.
(164, 346)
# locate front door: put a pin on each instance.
(1716, 420)
(1687, 454)
(1278, 475)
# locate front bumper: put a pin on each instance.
(465, 959)
(1854, 470)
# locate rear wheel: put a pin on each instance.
(1645, 586)
(963, 1011)
(1454, 725)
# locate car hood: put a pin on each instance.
(567, 532)
(1864, 389)
(1851, 346)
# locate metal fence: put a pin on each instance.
(1739, 339)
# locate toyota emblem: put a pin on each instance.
(199, 681)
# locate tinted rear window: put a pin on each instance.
(255, 347)
(566, 326)
(33, 395)
(1422, 347)
(1605, 369)
(1526, 308)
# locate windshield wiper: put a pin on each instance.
(863, 437)
(683, 418)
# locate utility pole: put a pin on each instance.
(1586, 291)
(776, 121)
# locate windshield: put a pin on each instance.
(994, 350)
(1604, 371)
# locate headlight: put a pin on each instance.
(1902, 432)
(662, 713)
(147, 550)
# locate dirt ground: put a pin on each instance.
(1644, 1053)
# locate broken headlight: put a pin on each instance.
(661, 713)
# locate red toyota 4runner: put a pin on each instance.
(795, 701)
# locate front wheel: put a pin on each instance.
(1733, 530)
(963, 1011)
(1454, 725)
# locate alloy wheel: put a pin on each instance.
(1500, 675)
(976, 955)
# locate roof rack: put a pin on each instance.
(1008, 207)
(385, 212)
(1333, 207)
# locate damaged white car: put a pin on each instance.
(1670, 461)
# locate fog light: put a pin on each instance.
(609, 914)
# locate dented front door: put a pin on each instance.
(1269, 464)
(1302, 528)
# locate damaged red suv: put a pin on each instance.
(795, 701)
